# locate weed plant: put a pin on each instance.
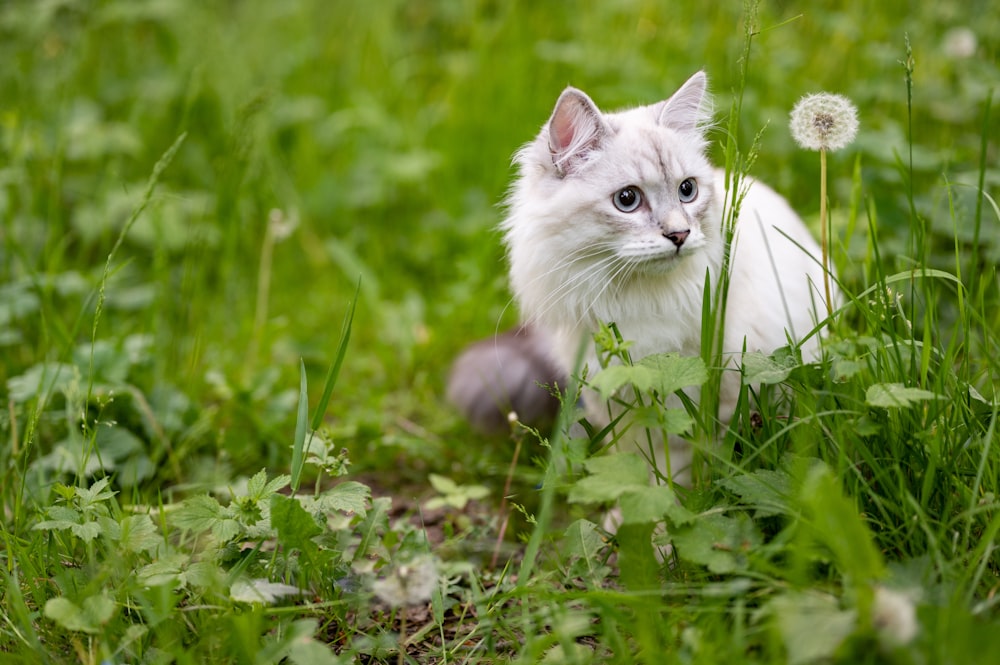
(240, 244)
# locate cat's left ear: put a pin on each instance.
(575, 129)
(689, 108)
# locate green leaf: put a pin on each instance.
(304, 649)
(86, 531)
(376, 522)
(227, 529)
(41, 379)
(671, 421)
(442, 484)
(168, 570)
(716, 541)
(453, 494)
(198, 513)
(759, 368)
(583, 541)
(896, 395)
(766, 490)
(348, 497)
(96, 611)
(294, 525)
(96, 493)
(260, 489)
(837, 525)
(652, 503)
(610, 477)
(664, 373)
(811, 624)
(139, 534)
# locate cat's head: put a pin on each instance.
(604, 198)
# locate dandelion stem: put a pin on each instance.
(824, 230)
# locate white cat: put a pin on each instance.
(617, 217)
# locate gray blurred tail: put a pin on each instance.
(510, 372)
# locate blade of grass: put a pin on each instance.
(331, 377)
(147, 195)
(302, 417)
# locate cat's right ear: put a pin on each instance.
(575, 129)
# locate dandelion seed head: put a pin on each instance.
(894, 616)
(960, 43)
(411, 583)
(824, 121)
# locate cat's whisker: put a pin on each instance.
(592, 276)
(579, 255)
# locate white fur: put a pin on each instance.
(577, 261)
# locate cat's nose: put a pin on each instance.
(677, 237)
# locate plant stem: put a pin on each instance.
(401, 660)
(824, 230)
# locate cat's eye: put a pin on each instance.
(687, 191)
(628, 199)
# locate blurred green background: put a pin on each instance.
(384, 131)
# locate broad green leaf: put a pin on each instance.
(610, 477)
(227, 529)
(139, 534)
(673, 372)
(255, 485)
(583, 540)
(294, 525)
(583, 543)
(86, 531)
(304, 649)
(68, 615)
(653, 503)
(375, 522)
(665, 373)
(95, 612)
(198, 513)
(168, 570)
(672, 421)
(40, 379)
(442, 484)
(347, 497)
(896, 395)
(453, 494)
(96, 493)
(259, 488)
(811, 624)
(718, 542)
(759, 368)
(766, 490)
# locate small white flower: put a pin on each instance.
(894, 616)
(281, 225)
(411, 583)
(824, 121)
(960, 43)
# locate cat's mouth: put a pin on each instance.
(661, 261)
(658, 254)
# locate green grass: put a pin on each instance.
(189, 195)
